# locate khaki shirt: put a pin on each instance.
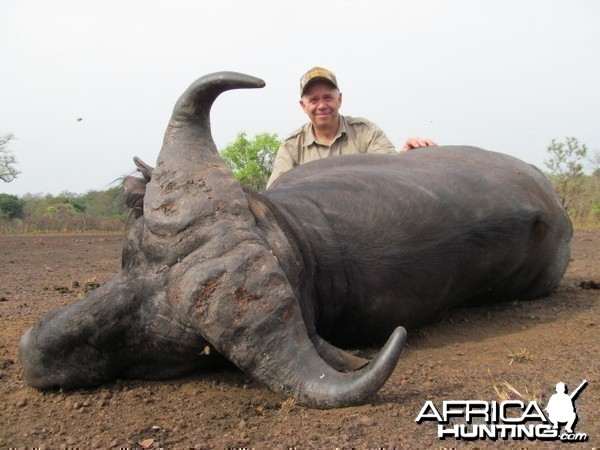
(355, 135)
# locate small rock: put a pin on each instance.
(366, 421)
(589, 284)
(146, 443)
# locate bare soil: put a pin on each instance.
(474, 354)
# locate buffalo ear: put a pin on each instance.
(145, 169)
(135, 187)
(134, 191)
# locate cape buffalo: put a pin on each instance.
(347, 250)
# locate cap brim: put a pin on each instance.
(312, 80)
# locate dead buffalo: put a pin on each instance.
(341, 251)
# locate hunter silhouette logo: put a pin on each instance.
(510, 419)
(561, 408)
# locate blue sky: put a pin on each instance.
(507, 76)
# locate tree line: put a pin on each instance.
(251, 161)
(68, 212)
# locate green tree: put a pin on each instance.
(107, 203)
(252, 160)
(566, 168)
(11, 207)
(7, 160)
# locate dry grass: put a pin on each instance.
(521, 356)
(288, 405)
(507, 391)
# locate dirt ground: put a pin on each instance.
(475, 354)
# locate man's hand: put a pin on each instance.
(417, 142)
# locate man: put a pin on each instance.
(329, 133)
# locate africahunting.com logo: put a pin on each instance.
(510, 419)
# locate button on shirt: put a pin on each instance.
(355, 135)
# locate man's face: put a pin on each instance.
(321, 102)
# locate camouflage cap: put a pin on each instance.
(314, 74)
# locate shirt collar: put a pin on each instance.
(310, 134)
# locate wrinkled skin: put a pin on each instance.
(347, 250)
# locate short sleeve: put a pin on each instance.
(283, 162)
